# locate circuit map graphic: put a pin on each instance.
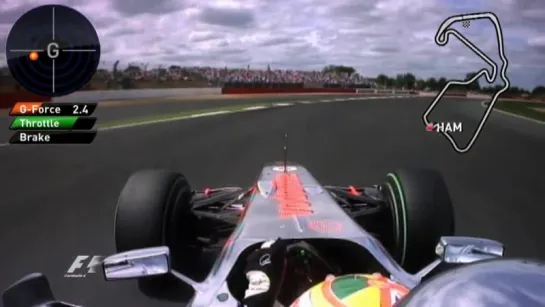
(441, 39)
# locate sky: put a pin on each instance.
(373, 36)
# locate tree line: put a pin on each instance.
(410, 81)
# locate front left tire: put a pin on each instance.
(154, 209)
(152, 206)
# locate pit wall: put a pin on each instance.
(94, 96)
(280, 90)
(7, 100)
(308, 90)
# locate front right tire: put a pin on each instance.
(422, 212)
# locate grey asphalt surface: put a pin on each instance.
(58, 201)
(161, 106)
(106, 114)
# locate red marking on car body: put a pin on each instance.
(325, 226)
(291, 196)
(353, 191)
(207, 191)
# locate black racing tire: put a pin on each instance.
(154, 209)
(422, 212)
(149, 207)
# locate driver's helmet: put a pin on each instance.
(362, 290)
(494, 283)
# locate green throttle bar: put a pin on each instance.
(52, 123)
(43, 122)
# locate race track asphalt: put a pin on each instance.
(146, 108)
(58, 201)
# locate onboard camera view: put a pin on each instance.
(272, 153)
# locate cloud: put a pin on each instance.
(141, 7)
(374, 36)
(226, 17)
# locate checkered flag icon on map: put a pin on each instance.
(466, 23)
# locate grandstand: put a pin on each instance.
(140, 76)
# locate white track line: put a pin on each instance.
(483, 104)
(207, 114)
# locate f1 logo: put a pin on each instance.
(89, 262)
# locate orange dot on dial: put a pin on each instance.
(33, 56)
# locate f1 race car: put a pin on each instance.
(402, 228)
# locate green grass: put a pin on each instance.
(522, 108)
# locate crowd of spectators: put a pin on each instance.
(248, 75)
(219, 76)
(224, 76)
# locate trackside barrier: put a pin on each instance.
(287, 90)
(240, 89)
(385, 91)
(8, 100)
(529, 99)
(97, 96)
(448, 94)
(456, 94)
